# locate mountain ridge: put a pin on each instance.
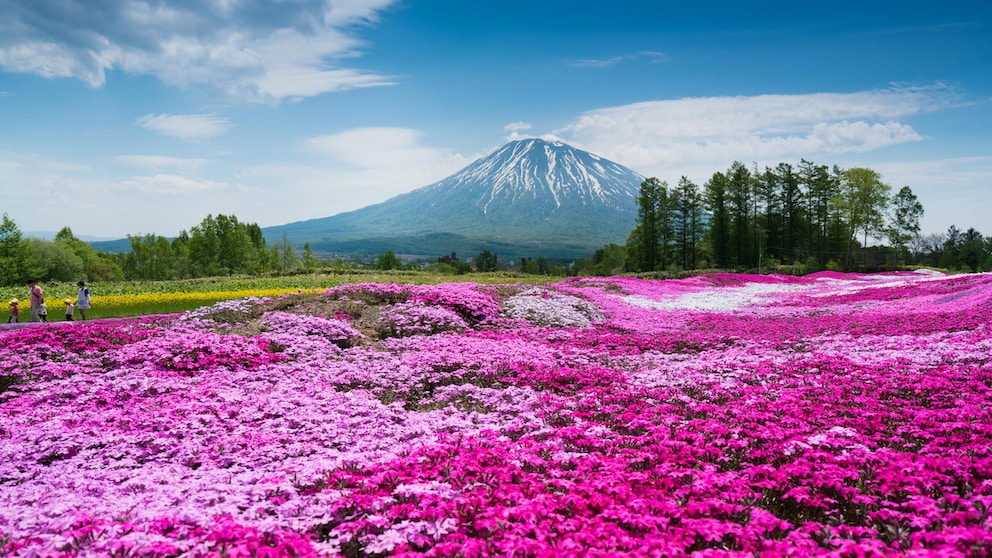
(531, 197)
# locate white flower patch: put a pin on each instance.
(440, 489)
(236, 306)
(716, 300)
(836, 437)
(549, 308)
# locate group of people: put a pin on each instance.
(39, 310)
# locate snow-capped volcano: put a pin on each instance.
(528, 198)
(551, 175)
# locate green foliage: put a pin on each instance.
(649, 244)
(800, 218)
(967, 251)
(13, 253)
(688, 224)
(861, 203)
(906, 213)
(388, 260)
(716, 200)
(486, 261)
(740, 190)
(217, 246)
(54, 261)
(608, 260)
(288, 259)
(309, 258)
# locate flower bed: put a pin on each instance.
(842, 415)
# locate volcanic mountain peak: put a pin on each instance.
(535, 170)
(528, 197)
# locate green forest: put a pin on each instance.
(218, 246)
(787, 219)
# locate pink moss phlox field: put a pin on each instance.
(719, 415)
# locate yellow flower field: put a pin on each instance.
(137, 298)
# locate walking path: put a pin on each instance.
(21, 325)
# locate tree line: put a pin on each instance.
(219, 245)
(789, 218)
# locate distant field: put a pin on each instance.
(138, 298)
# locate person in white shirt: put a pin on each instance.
(82, 299)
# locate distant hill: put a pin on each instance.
(50, 235)
(121, 245)
(529, 198)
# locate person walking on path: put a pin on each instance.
(15, 312)
(82, 299)
(37, 297)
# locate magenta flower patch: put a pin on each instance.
(722, 415)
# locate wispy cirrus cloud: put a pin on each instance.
(185, 126)
(162, 162)
(170, 184)
(651, 57)
(264, 52)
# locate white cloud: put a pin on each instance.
(515, 128)
(659, 136)
(357, 167)
(652, 57)
(384, 147)
(267, 53)
(169, 184)
(162, 162)
(185, 126)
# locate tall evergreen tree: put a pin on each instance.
(717, 202)
(951, 252)
(739, 189)
(688, 210)
(649, 242)
(821, 188)
(309, 257)
(972, 255)
(647, 220)
(793, 216)
(769, 221)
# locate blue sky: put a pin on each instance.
(131, 117)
